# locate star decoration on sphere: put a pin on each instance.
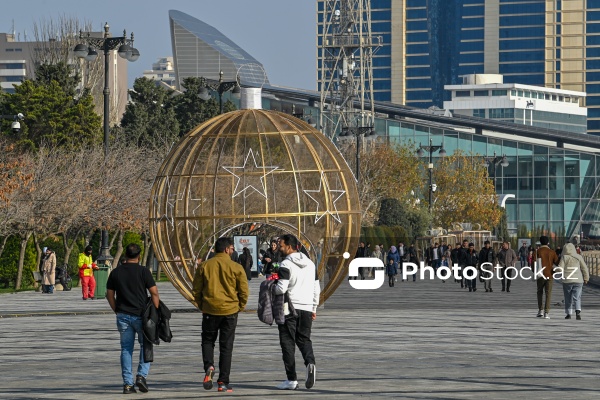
(252, 182)
(171, 198)
(334, 194)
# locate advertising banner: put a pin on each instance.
(251, 242)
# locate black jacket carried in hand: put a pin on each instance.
(156, 327)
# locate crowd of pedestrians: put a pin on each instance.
(566, 263)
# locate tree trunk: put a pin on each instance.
(147, 246)
(119, 246)
(4, 240)
(24, 241)
(112, 241)
(68, 247)
(38, 250)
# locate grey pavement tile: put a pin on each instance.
(396, 348)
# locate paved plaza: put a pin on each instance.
(424, 339)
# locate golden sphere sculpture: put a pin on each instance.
(254, 172)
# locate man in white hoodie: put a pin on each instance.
(298, 278)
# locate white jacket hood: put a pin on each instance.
(569, 250)
(300, 260)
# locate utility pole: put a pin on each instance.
(346, 66)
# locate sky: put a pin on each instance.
(281, 34)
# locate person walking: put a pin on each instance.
(298, 279)
(462, 262)
(487, 255)
(245, 260)
(454, 257)
(220, 289)
(391, 270)
(361, 252)
(549, 260)
(523, 253)
(127, 293)
(472, 260)
(49, 270)
(507, 259)
(377, 253)
(86, 273)
(575, 275)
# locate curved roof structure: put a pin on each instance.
(200, 50)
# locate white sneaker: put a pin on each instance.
(546, 316)
(540, 313)
(311, 375)
(288, 385)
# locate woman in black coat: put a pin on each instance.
(246, 260)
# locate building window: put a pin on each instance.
(503, 92)
(520, 93)
(14, 66)
(463, 93)
(9, 50)
(513, 92)
(479, 112)
(477, 93)
(502, 113)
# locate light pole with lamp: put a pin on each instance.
(88, 52)
(431, 149)
(220, 87)
(495, 161)
(359, 132)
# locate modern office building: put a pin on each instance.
(552, 178)
(430, 43)
(486, 96)
(201, 50)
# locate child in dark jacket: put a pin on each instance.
(391, 270)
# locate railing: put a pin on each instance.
(593, 264)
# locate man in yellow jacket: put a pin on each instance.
(86, 273)
(220, 290)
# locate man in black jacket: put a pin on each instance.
(462, 262)
(126, 293)
(471, 259)
(486, 255)
(454, 256)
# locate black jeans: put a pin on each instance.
(507, 275)
(224, 327)
(391, 280)
(296, 331)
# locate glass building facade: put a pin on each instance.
(535, 42)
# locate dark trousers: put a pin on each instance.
(544, 285)
(472, 283)
(507, 273)
(224, 327)
(391, 280)
(296, 332)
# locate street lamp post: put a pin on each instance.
(88, 52)
(359, 132)
(431, 149)
(220, 87)
(495, 161)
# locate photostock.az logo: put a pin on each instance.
(367, 284)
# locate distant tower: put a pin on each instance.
(345, 67)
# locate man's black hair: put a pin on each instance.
(290, 240)
(222, 244)
(132, 251)
(486, 242)
(544, 240)
(88, 248)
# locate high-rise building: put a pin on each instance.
(428, 44)
(162, 71)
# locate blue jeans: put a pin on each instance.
(128, 326)
(572, 293)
